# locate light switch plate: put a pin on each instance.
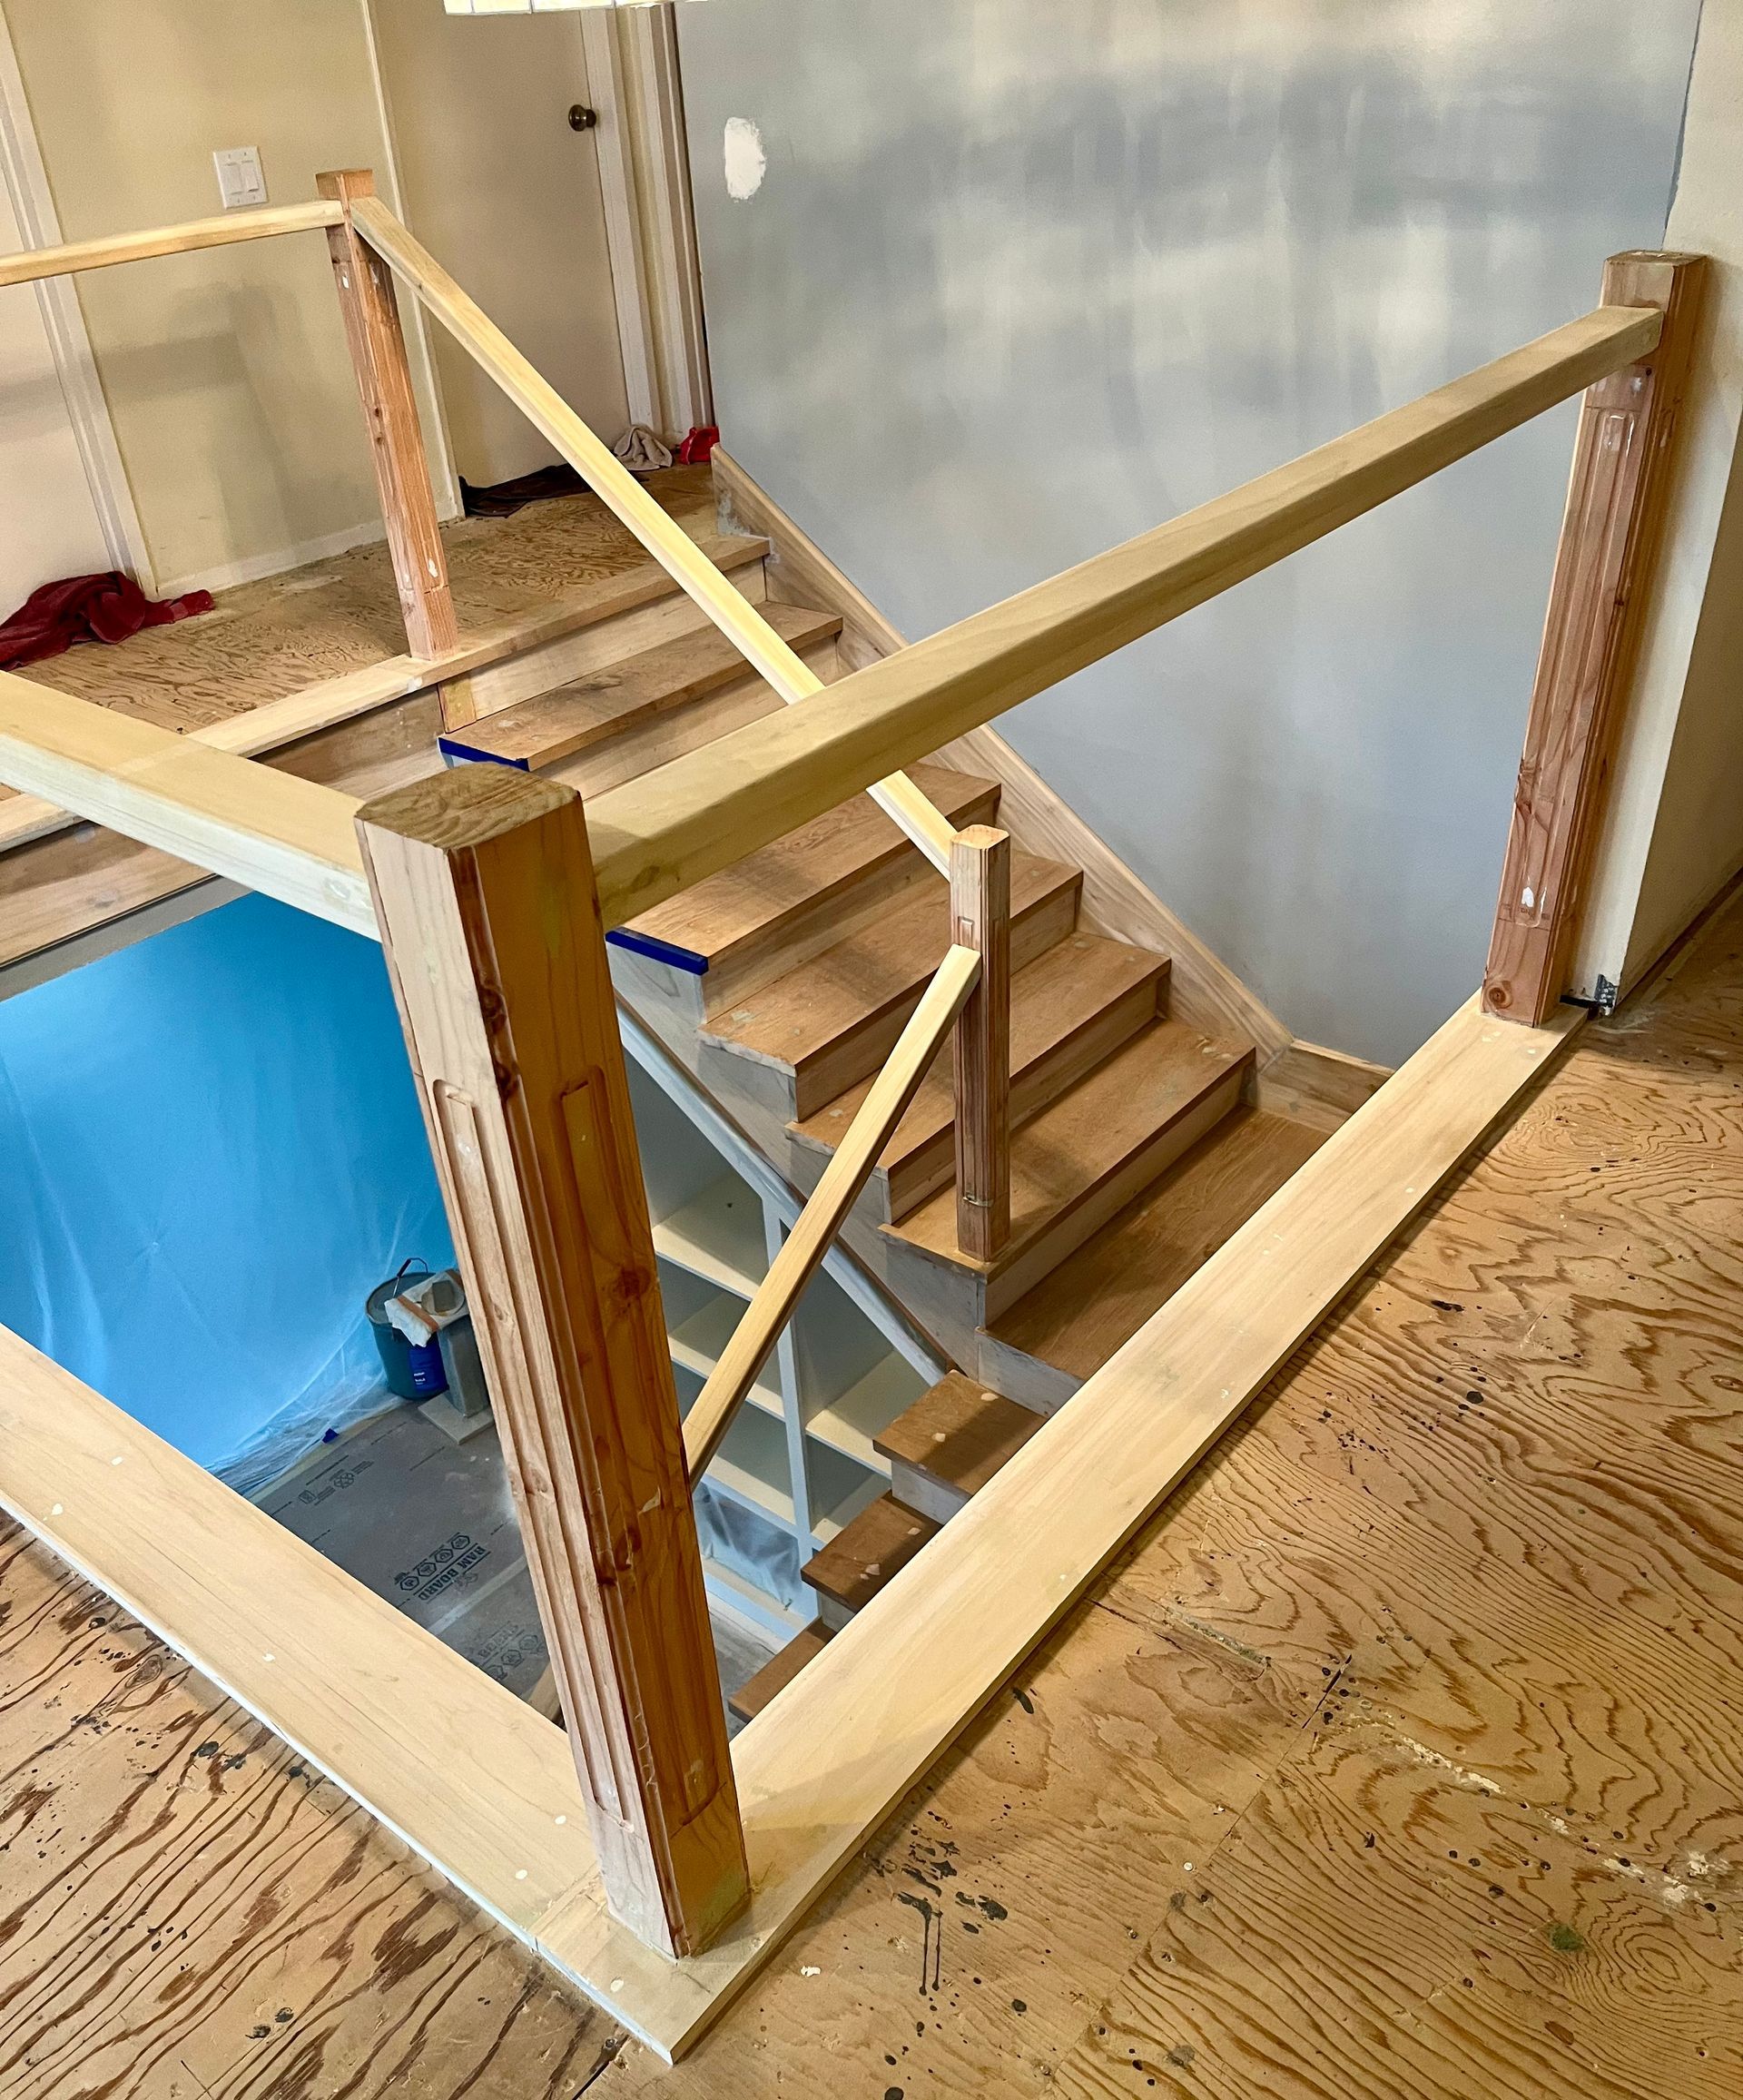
(241, 182)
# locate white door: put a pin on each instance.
(506, 194)
(49, 525)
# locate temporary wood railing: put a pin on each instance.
(491, 893)
(612, 482)
(777, 1297)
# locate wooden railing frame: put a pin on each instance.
(491, 895)
(759, 1327)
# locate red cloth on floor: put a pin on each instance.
(698, 448)
(98, 608)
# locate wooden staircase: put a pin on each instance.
(782, 982)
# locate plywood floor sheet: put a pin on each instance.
(263, 640)
(1402, 1754)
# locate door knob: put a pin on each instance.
(582, 118)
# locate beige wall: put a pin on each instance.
(497, 184)
(1674, 832)
(225, 373)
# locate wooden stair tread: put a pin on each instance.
(779, 1671)
(864, 1554)
(1052, 1001)
(795, 1021)
(1071, 1148)
(959, 1433)
(1098, 1298)
(820, 859)
(555, 725)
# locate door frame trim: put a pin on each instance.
(634, 80)
(27, 179)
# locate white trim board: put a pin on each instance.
(27, 179)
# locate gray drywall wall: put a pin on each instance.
(1023, 277)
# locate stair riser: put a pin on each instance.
(890, 1194)
(946, 1298)
(924, 1172)
(1024, 1378)
(817, 922)
(920, 1492)
(833, 1613)
(831, 916)
(602, 643)
(686, 728)
(792, 1094)
(856, 1055)
(1067, 1231)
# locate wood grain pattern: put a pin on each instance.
(483, 890)
(180, 240)
(634, 690)
(980, 1048)
(661, 834)
(286, 837)
(711, 1414)
(1414, 1768)
(1116, 903)
(1616, 504)
(1323, 1637)
(378, 348)
(557, 422)
(189, 1911)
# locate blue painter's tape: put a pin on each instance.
(659, 950)
(451, 748)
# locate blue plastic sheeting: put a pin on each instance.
(210, 1152)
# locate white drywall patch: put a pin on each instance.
(747, 162)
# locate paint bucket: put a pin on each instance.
(413, 1371)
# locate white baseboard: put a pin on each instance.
(230, 574)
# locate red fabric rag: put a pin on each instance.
(98, 608)
(698, 448)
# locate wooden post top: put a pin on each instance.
(346, 183)
(465, 805)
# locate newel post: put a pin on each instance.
(1604, 567)
(981, 920)
(489, 920)
(378, 348)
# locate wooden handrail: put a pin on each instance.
(792, 1269)
(659, 834)
(289, 838)
(31, 264)
(613, 483)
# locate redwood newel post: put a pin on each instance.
(981, 920)
(489, 920)
(378, 348)
(1604, 567)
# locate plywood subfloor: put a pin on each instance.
(264, 640)
(1402, 1754)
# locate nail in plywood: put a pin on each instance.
(490, 927)
(1610, 540)
(378, 348)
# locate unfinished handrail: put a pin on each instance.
(658, 834)
(31, 264)
(613, 483)
(286, 837)
(792, 1269)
